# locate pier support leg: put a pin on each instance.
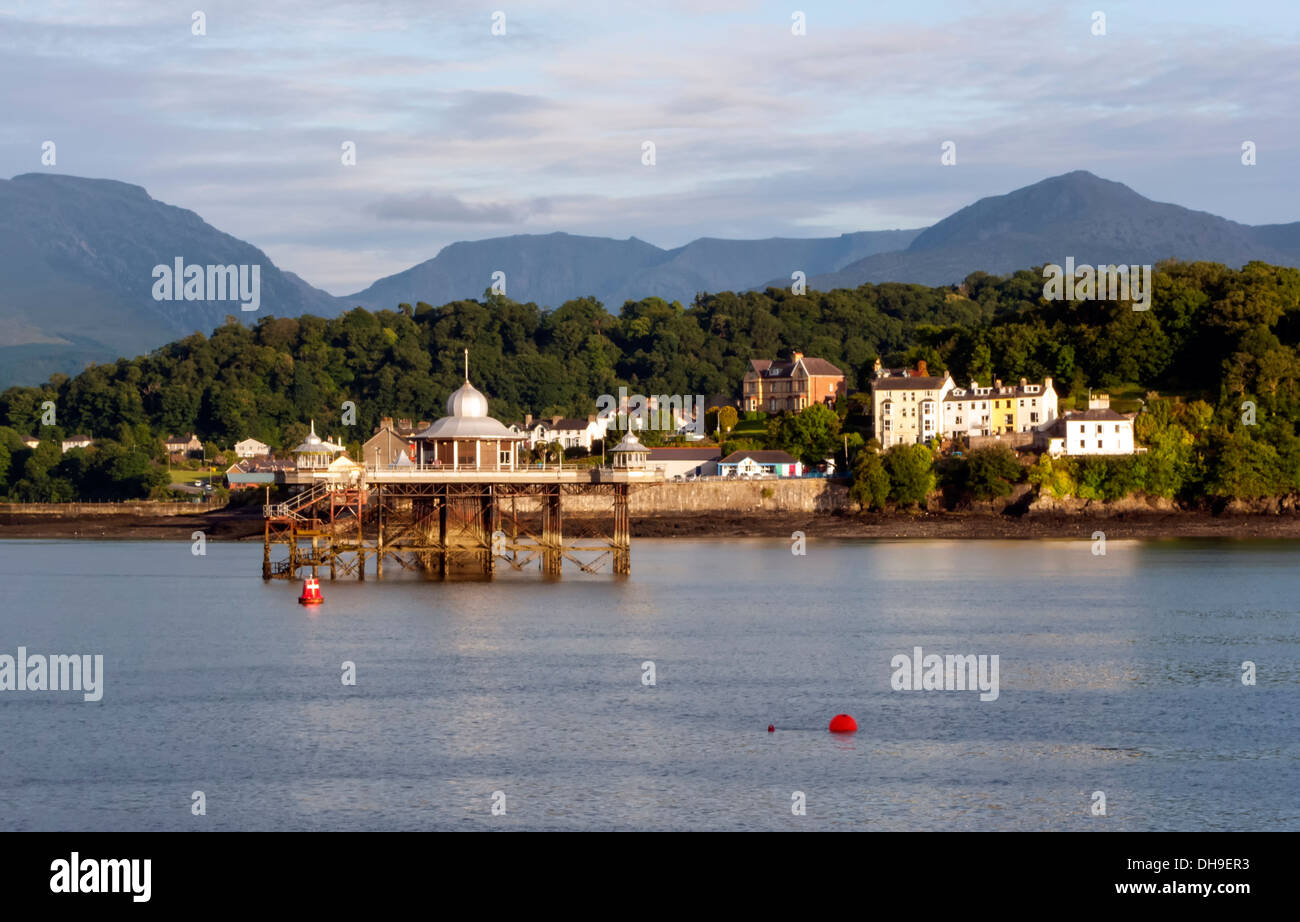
(443, 556)
(552, 534)
(379, 537)
(622, 531)
(266, 552)
(489, 516)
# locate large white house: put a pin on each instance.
(1000, 409)
(1098, 430)
(907, 404)
(252, 448)
(570, 432)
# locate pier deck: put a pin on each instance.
(437, 520)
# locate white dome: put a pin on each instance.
(467, 401)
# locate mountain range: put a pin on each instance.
(77, 261)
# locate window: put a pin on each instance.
(1099, 444)
(1082, 443)
(1117, 427)
(1099, 428)
(1033, 417)
(1022, 403)
(958, 420)
(1008, 418)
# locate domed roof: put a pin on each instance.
(314, 444)
(630, 443)
(467, 401)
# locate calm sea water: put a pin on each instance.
(1118, 674)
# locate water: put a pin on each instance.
(1118, 674)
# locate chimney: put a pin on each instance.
(997, 382)
(920, 368)
(385, 422)
(528, 420)
(1024, 381)
(876, 369)
(1047, 383)
(1099, 401)
(796, 356)
(974, 385)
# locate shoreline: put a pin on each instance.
(247, 525)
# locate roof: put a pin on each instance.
(570, 424)
(769, 369)
(629, 442)
(180, 438)
(1097, 414)
(768, 456)
(685, 454)
(468, 427)
(250, 477)
(820, 367)
(314, 444)
(467, 419)
(997, 393)
(910, 383)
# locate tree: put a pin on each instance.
(870, 488)
(811, 435)
(911, 474)
(1053, 475)
(992, 471)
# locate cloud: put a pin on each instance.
(461, 134)
(449, 209)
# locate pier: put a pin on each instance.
(441, 521)
(453, 495)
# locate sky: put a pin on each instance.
(462, 134)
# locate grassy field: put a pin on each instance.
(750, 429)
(183, 476)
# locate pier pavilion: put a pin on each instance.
(466, 501)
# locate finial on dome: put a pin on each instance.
(467, 365)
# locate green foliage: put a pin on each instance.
(812, 435)
(1215, 336)
(1053, 476)
(870, 487)
(911, 474)
(992, 471)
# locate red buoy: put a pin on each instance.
(310, 592)
(771, 729)
(843, 723)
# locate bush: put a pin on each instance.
(992, 471)
(870, 488)
(911, 474)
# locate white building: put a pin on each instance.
(1098, 430)
(1000, 409)
(315, 453)
(907, 405)
(77, 441)
(966, 411)
(570, 432)
(678, 462)
(252, 448)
